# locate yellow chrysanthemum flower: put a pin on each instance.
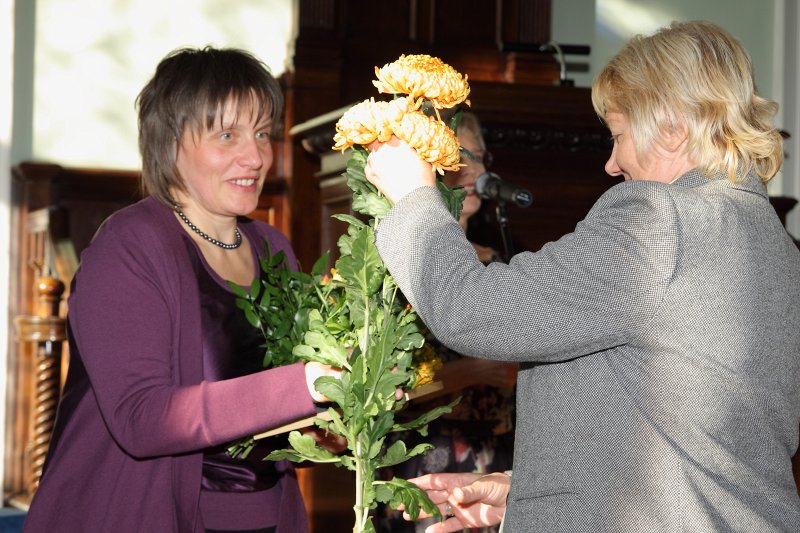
(425, 362)
(432, 139)
(370, 120)
(423, 76)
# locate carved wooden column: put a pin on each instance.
(45, 332)
(56, 211)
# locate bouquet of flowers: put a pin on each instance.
(355, 318)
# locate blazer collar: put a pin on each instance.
(749, 182)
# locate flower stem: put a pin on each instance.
(362, 464)
(364, 479)
(359, 506)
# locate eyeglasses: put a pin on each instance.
(485, 158)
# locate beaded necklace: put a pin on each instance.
(205, 235)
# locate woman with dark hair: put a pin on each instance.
(164, 369)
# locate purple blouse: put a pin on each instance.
(137, 412)
(235, 491)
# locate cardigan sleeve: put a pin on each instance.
(586, 292)
(125, 315)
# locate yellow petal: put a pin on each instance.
(423, 76)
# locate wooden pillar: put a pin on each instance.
(44, 332)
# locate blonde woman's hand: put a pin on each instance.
(396, 169)
(466, 500)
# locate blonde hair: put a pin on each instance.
(693, 78)
(469, 121)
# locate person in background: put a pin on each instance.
(659, 387)
(476, 159)
(164, 369)
(478, 436)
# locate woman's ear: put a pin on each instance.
(675, 136)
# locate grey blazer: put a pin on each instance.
(660, 351)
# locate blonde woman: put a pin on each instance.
(659, 387)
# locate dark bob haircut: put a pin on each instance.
(189, 90)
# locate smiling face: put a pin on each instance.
(224, 167)
(467, 175)
(665, 162)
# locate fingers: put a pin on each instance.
(430, 481)
(446, 482)
(447, 526)
(396, 169)
(491, 489)
(469, 494)
(439, 497)
(466, 499)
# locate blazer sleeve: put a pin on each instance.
(586, 292)
(124, 315)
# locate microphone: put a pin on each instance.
(490, 186)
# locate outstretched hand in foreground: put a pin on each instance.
(396, 169)
(466, 500)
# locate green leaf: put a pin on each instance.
(339, 427)
(409, 338)
(331, 388)
(252, 318)
(369, 527)
(455, 120)
(453, 197)
(419, 449)
(237, 289)
(304, 448)
(320, 264)
(326, 348)
(301, 277)
(382, 425)
(363, 268)
(395, 454)
(383, 492)
(255, 288)
(428, 417)
(278, 260)
(301, 351)
(243, 304)
(372, 204)
(374, 449)
(350, 219)
(399, 492)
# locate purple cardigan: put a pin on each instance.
(126, 453)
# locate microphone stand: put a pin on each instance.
(502, 220)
